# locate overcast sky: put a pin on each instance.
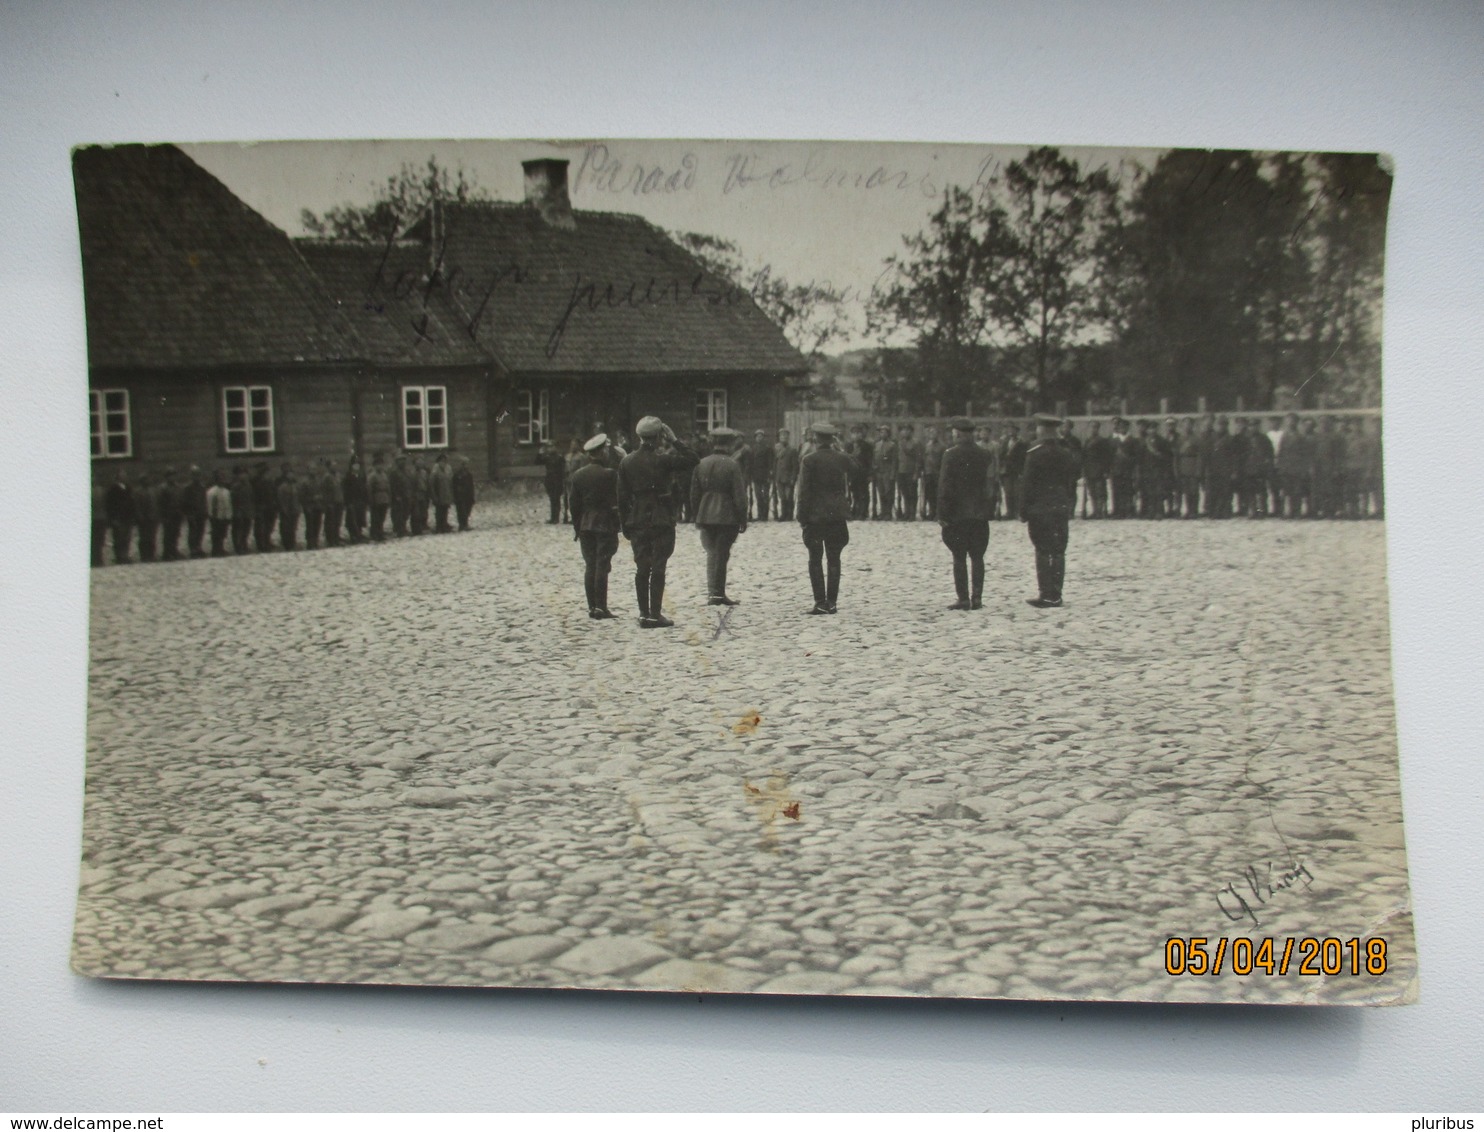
(828, 212)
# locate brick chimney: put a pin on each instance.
(546, 190)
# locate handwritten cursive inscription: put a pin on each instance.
(604, 172)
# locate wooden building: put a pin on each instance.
(488, 327)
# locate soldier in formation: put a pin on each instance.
(785, 475)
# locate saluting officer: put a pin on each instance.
(718, 499)
(647, 507)
(824, 513)
(963, 510)
(1046, 507)
(593, 506)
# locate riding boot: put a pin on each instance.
(816, 580)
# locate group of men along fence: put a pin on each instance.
(1311, 465)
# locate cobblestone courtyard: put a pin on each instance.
(422, 763)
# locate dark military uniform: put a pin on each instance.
(193, 507)
(170, 518)
(265, 509)
(824, 515)
(1257, 472)
(718, 499)
(761, 474)
(290, 510)
(119, 506)
(462, 483)
(356, 494)
(932, 465)
(647, 506)
(1097, 462)
(963, 509)
(1012, 467)
(399, 483)
(1124, 473)
(147, 518)
(884, 476)
(909, 470)
(785, 478)
(863, 452)
(594, 510)
(242, 510)
(1046, 507)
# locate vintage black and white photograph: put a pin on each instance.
(954, 571)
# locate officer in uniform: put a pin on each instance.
(824, 513)
(1069, 441)
(909, 470)
(1097, 462)
(863, 453)
(1188, 471)
(400, 481)
(170, 516)
(647, 508)
(1012, 467)
(1124, 469)
(462, 484)
(932, 463)
(763, 458)
(963, 508)
(785, 475)
(594, 510)
(1046, 507)
(718, 499)
(883, 472)
(242, 509)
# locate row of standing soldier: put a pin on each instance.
(245, 511)
(1215, 467)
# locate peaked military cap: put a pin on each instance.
(724, 433)
(596, 442)
(824, 428)
(650, 426)
(1048, 419)
(961, 424)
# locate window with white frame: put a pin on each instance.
(108, 424)
(711, 409)
(424, 416)
(247, 418)
(532, 416)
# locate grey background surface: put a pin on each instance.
(1319, 76)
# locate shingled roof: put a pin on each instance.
(382, 289)
(178, 272)
(610, 294)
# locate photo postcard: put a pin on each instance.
(805, 568)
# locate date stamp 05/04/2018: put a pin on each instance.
(1199, 955)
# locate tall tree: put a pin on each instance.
(939, 293)
(396, 204)
(1045, 303)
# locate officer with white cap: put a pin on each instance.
(594, 510)
(647, 508)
